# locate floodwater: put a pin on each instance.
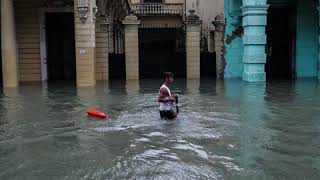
(226, 130)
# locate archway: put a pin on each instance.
(115, 11)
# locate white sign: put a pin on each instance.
(82, 50)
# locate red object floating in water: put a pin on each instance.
(97, 114)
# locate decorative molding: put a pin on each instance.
(254, 39)
(254, 10)
(192, 18)
(254, 76)
(254, 21)
(131, 20)
(83, 10)
(114, 9)
(58, 3)
(254, 58)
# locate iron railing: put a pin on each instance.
(157, 9)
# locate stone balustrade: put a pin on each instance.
(157, 9)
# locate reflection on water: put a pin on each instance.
(226, 130)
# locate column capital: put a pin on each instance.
(193, 19)
(254, 10)
(219, 22)
(131, 20)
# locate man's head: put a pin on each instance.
(168, 77)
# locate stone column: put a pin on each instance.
(254, 14)
(193, 45)
(131, 23)
(8, 45)
(319, 45)
(85, 42)
(219, 45)
(102, 48)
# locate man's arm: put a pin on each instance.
(164, 96)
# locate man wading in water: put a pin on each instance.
(166, 99)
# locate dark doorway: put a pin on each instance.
(280, 43)
(161, 50)
(117, 66)
(61, 62)
(117, 59)
(207, 65)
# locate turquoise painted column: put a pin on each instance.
(254, 21)
(318, 65)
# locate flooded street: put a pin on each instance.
(226, 130)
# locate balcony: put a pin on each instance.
(153, 9)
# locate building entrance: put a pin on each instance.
(280, 43)
(160, 50)
(207, 65)
(60, 38)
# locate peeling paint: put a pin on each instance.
(236, 33)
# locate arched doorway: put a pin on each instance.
(115, 11)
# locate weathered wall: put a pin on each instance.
(205, 9)
(307, 39)
(28, 40)
(233, 41)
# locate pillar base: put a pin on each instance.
(254, 77)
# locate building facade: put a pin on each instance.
(266, 39)
(89, 40)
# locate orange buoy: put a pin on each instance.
(97, 114)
